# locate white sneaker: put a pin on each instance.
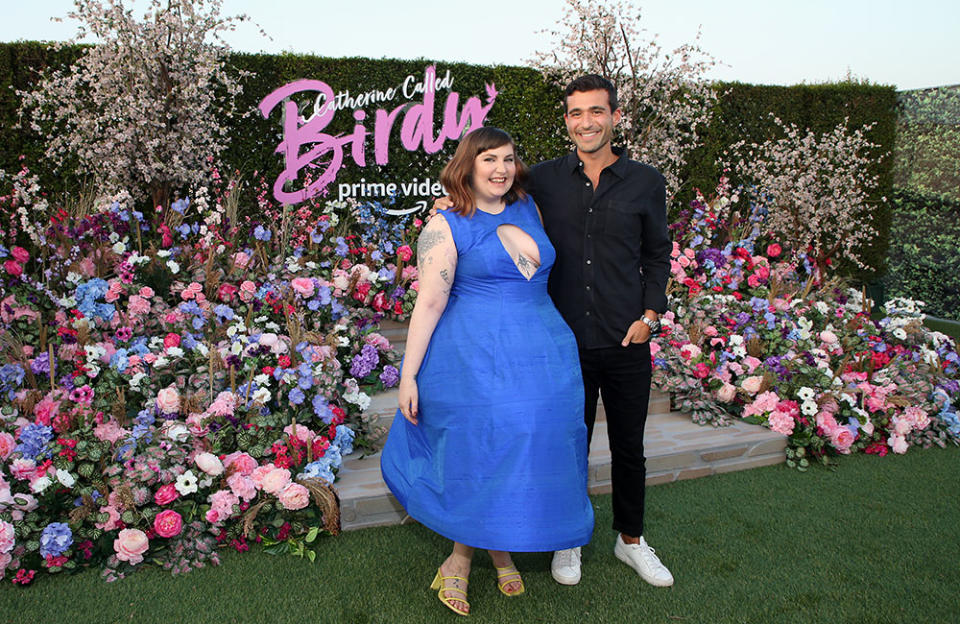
(644, 560)
(565, 566)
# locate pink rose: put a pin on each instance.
(166, 494)
(113, 520)
(726, 393)
(260, 473)
(191, 291)
(7, 537)
(212, 516)
(827, 422)
(303, 286)
(13, 268)
(167, 523)
(20, 254)
(276, 480)
(242, 462)
(209, 463)
(168, 400)
(247, 290)
(138, 306)
(701, 371)
(146, 292)
(751, 363)
(753, 281)
(752, 384)
(7, 444)
(294, 496)
(841, 439)
(773, 250)
(303, 434)
(240, 260)
(683, 261)
(405, 252)
(781, 423)
(171, 340)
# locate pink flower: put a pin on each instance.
(242, 486)
(303, 434)
(146, 292)
(781, 423)
(247, 291)
(902, 426)
(276, 480)
(898, 444)
(167, 523)
(13, 268)
(753, 281)
(405, 252)
(240, 260)
(166, 494)
(303, 286)
(191, 291)
(168, 400)
(727, 392)
(212, 516)
(110, 431)
(227, 292)
(20, 254)
(138, 306)
(130, 545)
(683, 261)
(827, 422)
(171, 340)
(294, 496)
(7, 444)
(209, 463)
(242, 462)
(751, 363)
(222, 501)
(773, 250)
(701, 371)
(112, 522)
(841, 439)
(7, 537)
(828, 337)
(917, 417)
(22, 469)
(690, 351)
(752, 384)
(260, 473)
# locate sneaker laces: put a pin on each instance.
(567, 558)
(650, 557)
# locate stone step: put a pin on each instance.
(676, 449)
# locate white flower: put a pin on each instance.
(806, 394)
(173, 266)
(186, 483)
(40, 484)
(136, 379)
(809, 408)
(202, 348)
(92, 370)
(272, 326)
(119, 248)
(849, 399)
(177, 431)
(261, 396)
(262, 379)
(163, 253)
(174, 351)
(236, 348)
(160, 362)
(343, 341)
(899, 334)
(67, 302)
(114, 237)
(74, 278)
(65, 478)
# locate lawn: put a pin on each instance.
(875, 540)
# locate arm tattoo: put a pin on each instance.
(445, 275)
(428, 240)
(527, 266)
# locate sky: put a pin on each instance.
(890, 42)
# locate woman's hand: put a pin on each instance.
(407, 398)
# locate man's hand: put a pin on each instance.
(442, 203)
(407, 397)
(638, 332)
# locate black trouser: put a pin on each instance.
(622, 377)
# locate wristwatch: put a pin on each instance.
(653, 324)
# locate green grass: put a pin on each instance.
(873, 541)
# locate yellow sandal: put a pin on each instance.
(507, 571)
(447, 600)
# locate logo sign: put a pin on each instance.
(306, 145)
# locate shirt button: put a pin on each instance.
(587, 183)
(588, 312)
(588, 261)
(589, 209)
(588, 288)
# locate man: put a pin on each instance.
(606, 216)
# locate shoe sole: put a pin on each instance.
(565, 580)
(655, 582)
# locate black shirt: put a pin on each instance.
(613, 249)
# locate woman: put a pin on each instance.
(489, 446)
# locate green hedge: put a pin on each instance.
(924, 260)
(526, 107)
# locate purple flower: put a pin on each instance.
(56, 538)
(390, 376)
(364, 362)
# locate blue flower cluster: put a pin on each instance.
(55, 539)
(33, 440)
(11, 378)
(87, 295)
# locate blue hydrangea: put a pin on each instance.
(261, 233)
(56, 539)
(296, 396)
(344, 439)
(322, 409)
(33, 439)
(11, 378)
(320, 469)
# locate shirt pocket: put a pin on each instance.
(622, 220)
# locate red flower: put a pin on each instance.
(774, 250)
(267, 370)
(13, 268)
(24, 577)
(284, 361)
(405, 252)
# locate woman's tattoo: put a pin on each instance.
(527, 266)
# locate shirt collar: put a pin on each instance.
(618, 168)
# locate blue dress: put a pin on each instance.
(499, 458)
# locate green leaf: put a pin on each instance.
(312, 534)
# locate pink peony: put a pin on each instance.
(405, 252)
(7, 537)
(902, 426)
(241, 462)
(826, 421)
(138, 306)
(22, 469)
(13, 268)
(7, 444)
(917, 417)
(166, 494)
(260, 473)
(276, 480)
(781, 423)
(130, 545)
(242, 486)
(167, 523)
(727, 393)
(168, 400)
(209, 463)
(222, 501)
(294, 496)
(303, 286)
(20, 254)
(752, 384)
(898, 444)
